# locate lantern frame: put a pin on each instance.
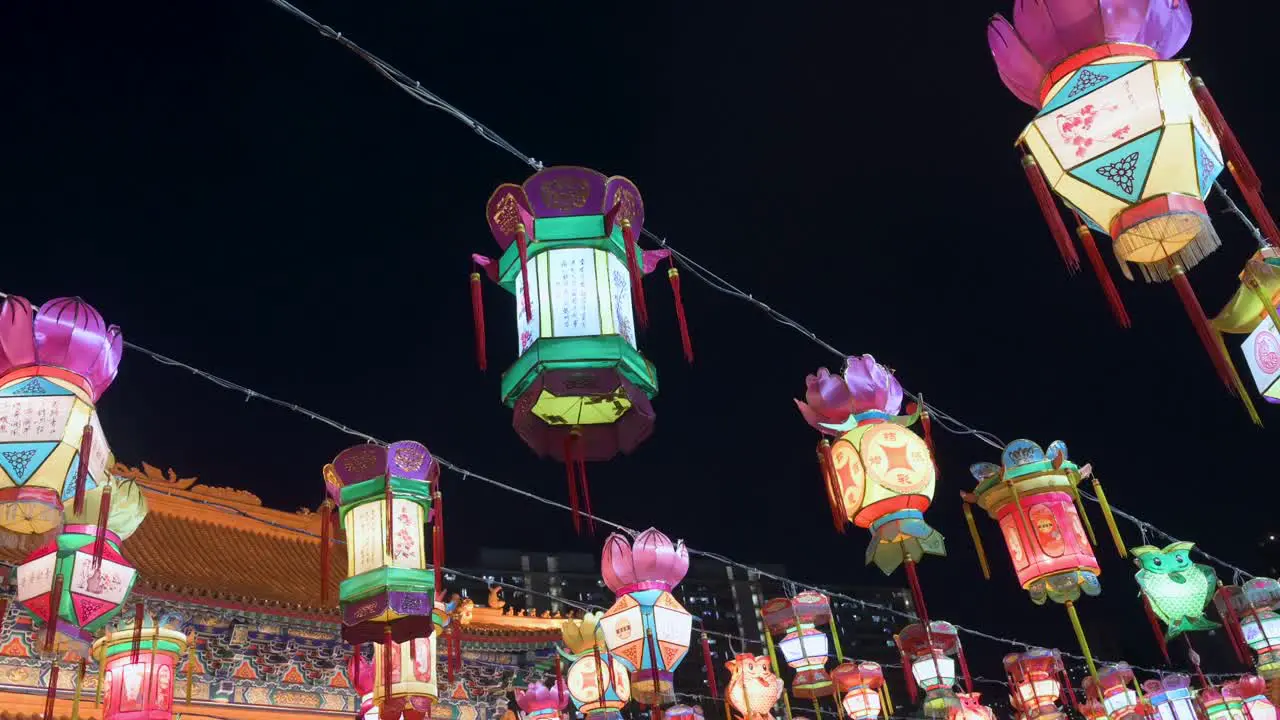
(1171, 698)
(1036, 683)
(1114, 687)
(156, 670)
(794, 621)
(861, 683)
(929, 655)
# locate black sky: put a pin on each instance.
(239, 193)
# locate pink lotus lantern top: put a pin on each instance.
(652, 562)
(866, 391)
(539, 701)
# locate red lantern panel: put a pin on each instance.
(1045, 538)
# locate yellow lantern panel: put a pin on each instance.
(576, 292)
(880, 468)
(366, 533)
(582, 409)
(413, 672)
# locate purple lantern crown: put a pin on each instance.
(562, 191)
(652, 562)
(1166, 683)
(405, 459)
(1044, 33)
(539, 698)
(866, 389)
(66, 333)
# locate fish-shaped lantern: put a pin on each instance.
(1177, 589)
(753, 689)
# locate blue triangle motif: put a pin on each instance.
(69, 484)
(1088, 79)
(1122, 172)
(1208, 164)
(1087, 220)
(21, 460)
(34, 387)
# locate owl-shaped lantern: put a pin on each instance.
(1036, 679)
(54, 365)
(929, 653)
(971, 708)
(598, 686)
(862, 685)
(579, 388)
(1250, 614)
(880, 475)
(138, 679)
(1125, 136)
(1114, 687)
(539, 702)
(753, 689)
(1170, 697)
(1252, 689)
(1176, 589)
(80, 577)
(794, 622)
(384, 498)
(646, 629)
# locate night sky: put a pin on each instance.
(243, 195)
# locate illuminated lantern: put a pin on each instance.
(139, 685)
(803, 645)
(683, 712)
(1125, 136)
(929, 655)
(971, 708)
(1093, 711)
(80, 576)
(539, 702)
(1221, 703)
(598, 686)
(646, 629)
(753, 689)
(1035, 683)
(1170, 697)
(880, 475)
(361, 674)
(1249, 611)
(1176, 589)
(580, 387)
(861, 684)
(1253, 690)
(389, 594)
(412, 693)
(54, 365)
(1251, 311)
(1113, 687)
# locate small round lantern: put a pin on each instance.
(806, 648)
(1035, 683)
(390, 592)
(1170, 697)
(138, 679)
(539, 702)
(598, 686)
(929, 659)
(861, 684)
(1113, 687)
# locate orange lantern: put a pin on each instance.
(753, 689)
(862, 684)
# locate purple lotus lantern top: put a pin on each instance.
(867, 387)
(563, 191)
(1172, 682)
(1046, 32)
(406, 459)
(65, 333)
(538, 700)
(652, 562)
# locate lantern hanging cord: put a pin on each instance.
(1234, 209)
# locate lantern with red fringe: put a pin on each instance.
(55, 363)
(580, 387)
(929, 653)
(1114, 686)
(1253, 690)
(1036, 680)
(1126, 137)
(384, 497)
(1248, 612)
(138, 681)
(863, 686)
(805, 648)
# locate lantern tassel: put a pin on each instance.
(1240, 390)
(586, 489)
(1070, 689)
(832, 484)
(907, 676)
(1084, 642)
(390, 500)
(52, 694)
(1084, 516)
(82, 467)
(437, 540)
(964, 669)
(136, 647)
(1232, 623)
(104, 514)
(326, 549)
(1191, 304)
(388, 648)
(673, 277)
(477, 321)
(1230, 144)
(886, 701)
(1109, 289)
(571, 477)
(191, 665)
(835, 640)
(977, 540)
(522, 245)
(75, 698)
(1109, 517)
(711, 668)
(1049, 208)
(55, 608)
(1257, 206)
(559, 672)
(1155, 628)
(637, 277)
(1256, 287)
(102, 676)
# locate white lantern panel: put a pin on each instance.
(934, 671)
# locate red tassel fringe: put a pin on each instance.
(522, 244)
(559, 672)
(1232, 623)
(964, 670)
(1070, 689)
(388, 647)
(1049, 208)
(391, 513)
(571, 476)
(673, 276)
(1196, 313)
(1100, 271)
(711, 669)
(1230, 144)
(909, 678)
(138, 617)
(53, 690)
(55, 608)
(1253, 198)
(326, 549)
(477, 321)
(637, 277)
(104, 514)
(1155, 628)
(437, 534)
(82, 469)
(834, 497)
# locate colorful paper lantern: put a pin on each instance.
(1251, 311)
(862, 684)
(805, 648)
(929, 654)
(1170, 697)
(413, 686)
(1125, 136)
(539, 702)
(390, 592)
(1249, 612)
(580, 387)
(598, 686)
(1222, 703)
(646, 629)
(1113, 687)
(1093, 710)
(1253, 690)
(683, 712)
(879, 474)
(753, 689)
(971, 708)
(360, 671)
(1036, 679)
(55, 364)
(138, 680)
(80, 577)
(1177, 589)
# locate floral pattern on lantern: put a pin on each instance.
(805, 648)
(929, 662)
(753, 689)
(1035, 683)
(539, 702)
(646, 629)
(1114, 689)
(598, 686)
(140, 687)
(861, 683)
